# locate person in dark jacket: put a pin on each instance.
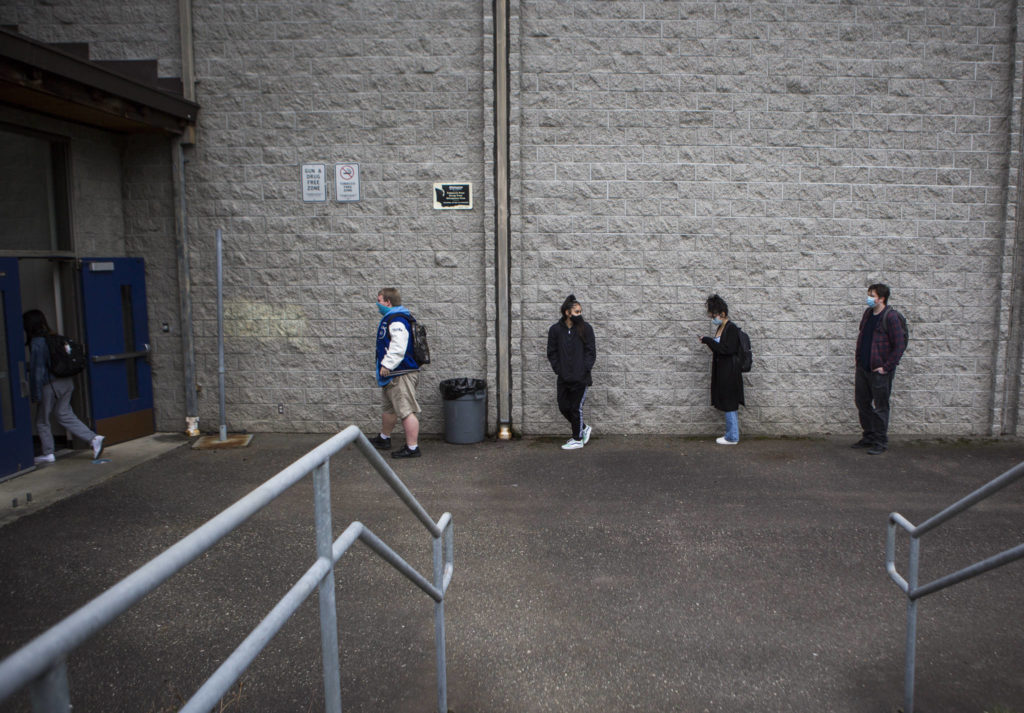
(572, 351)
(881, 342)
(726, 377)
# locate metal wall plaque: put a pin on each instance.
(346, 182)
(314, 182)
(453, 196)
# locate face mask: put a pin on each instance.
(870, 301)
(716, 321)
(577, 319)
(383, 309)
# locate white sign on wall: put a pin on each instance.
(314, 182)
(346, 182)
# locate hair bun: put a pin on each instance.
(570, 297)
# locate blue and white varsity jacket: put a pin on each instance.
(394, 344)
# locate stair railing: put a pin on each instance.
(910, 585)
(41, 664)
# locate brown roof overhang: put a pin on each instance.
(45, 79)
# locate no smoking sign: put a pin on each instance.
(346, 182)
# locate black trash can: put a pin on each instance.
(465, 410)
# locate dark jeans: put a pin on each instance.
(871, 394)
(570, 402)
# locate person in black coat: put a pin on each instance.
(726, 377)
(572, 351)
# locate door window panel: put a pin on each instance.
(129, 341)
(7, 379)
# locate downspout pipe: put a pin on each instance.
(188, 138)
(502, 262)
(184, 288)
(1015, 332)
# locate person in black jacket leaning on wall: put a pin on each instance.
(726, 377)
(572, 351)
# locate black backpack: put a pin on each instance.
(67, 357)
(420, 348)
(903, 323)
(746, 354)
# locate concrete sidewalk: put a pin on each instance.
(76, 471)
(653, 574)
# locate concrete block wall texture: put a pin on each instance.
(142, 30)
(784, 155)
(149, 232)
(394, 87)
(95, 165)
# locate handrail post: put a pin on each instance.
(439, 640)
(328, 607)
(50, 692)
(908, 672)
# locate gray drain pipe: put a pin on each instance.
(188, 86)
(188, 351)
(502, 262)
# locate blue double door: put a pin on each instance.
(115, 332)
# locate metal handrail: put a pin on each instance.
(910, 585)
(41, 664)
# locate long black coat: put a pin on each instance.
(726, 377)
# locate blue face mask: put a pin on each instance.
(871, 301)
(383, 309)
(716, 321)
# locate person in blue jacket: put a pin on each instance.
(572, 351)
(397, 374)
(51, 393)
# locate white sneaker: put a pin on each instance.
(48, 458)
(572, 444)
(586, 435)
(97, 447)
(722, 442)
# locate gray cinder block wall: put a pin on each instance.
(782, 155)
(394, 87)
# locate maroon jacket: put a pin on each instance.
(889, 342)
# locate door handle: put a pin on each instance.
(101, 358)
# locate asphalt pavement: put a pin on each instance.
(639, 573)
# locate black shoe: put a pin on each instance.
(863, 443)
(405, 452)
(383, 444)
(877, 449)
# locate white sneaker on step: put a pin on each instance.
(97, 446)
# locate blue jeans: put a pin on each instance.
(732, 426)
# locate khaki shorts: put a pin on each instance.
(399, 397)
